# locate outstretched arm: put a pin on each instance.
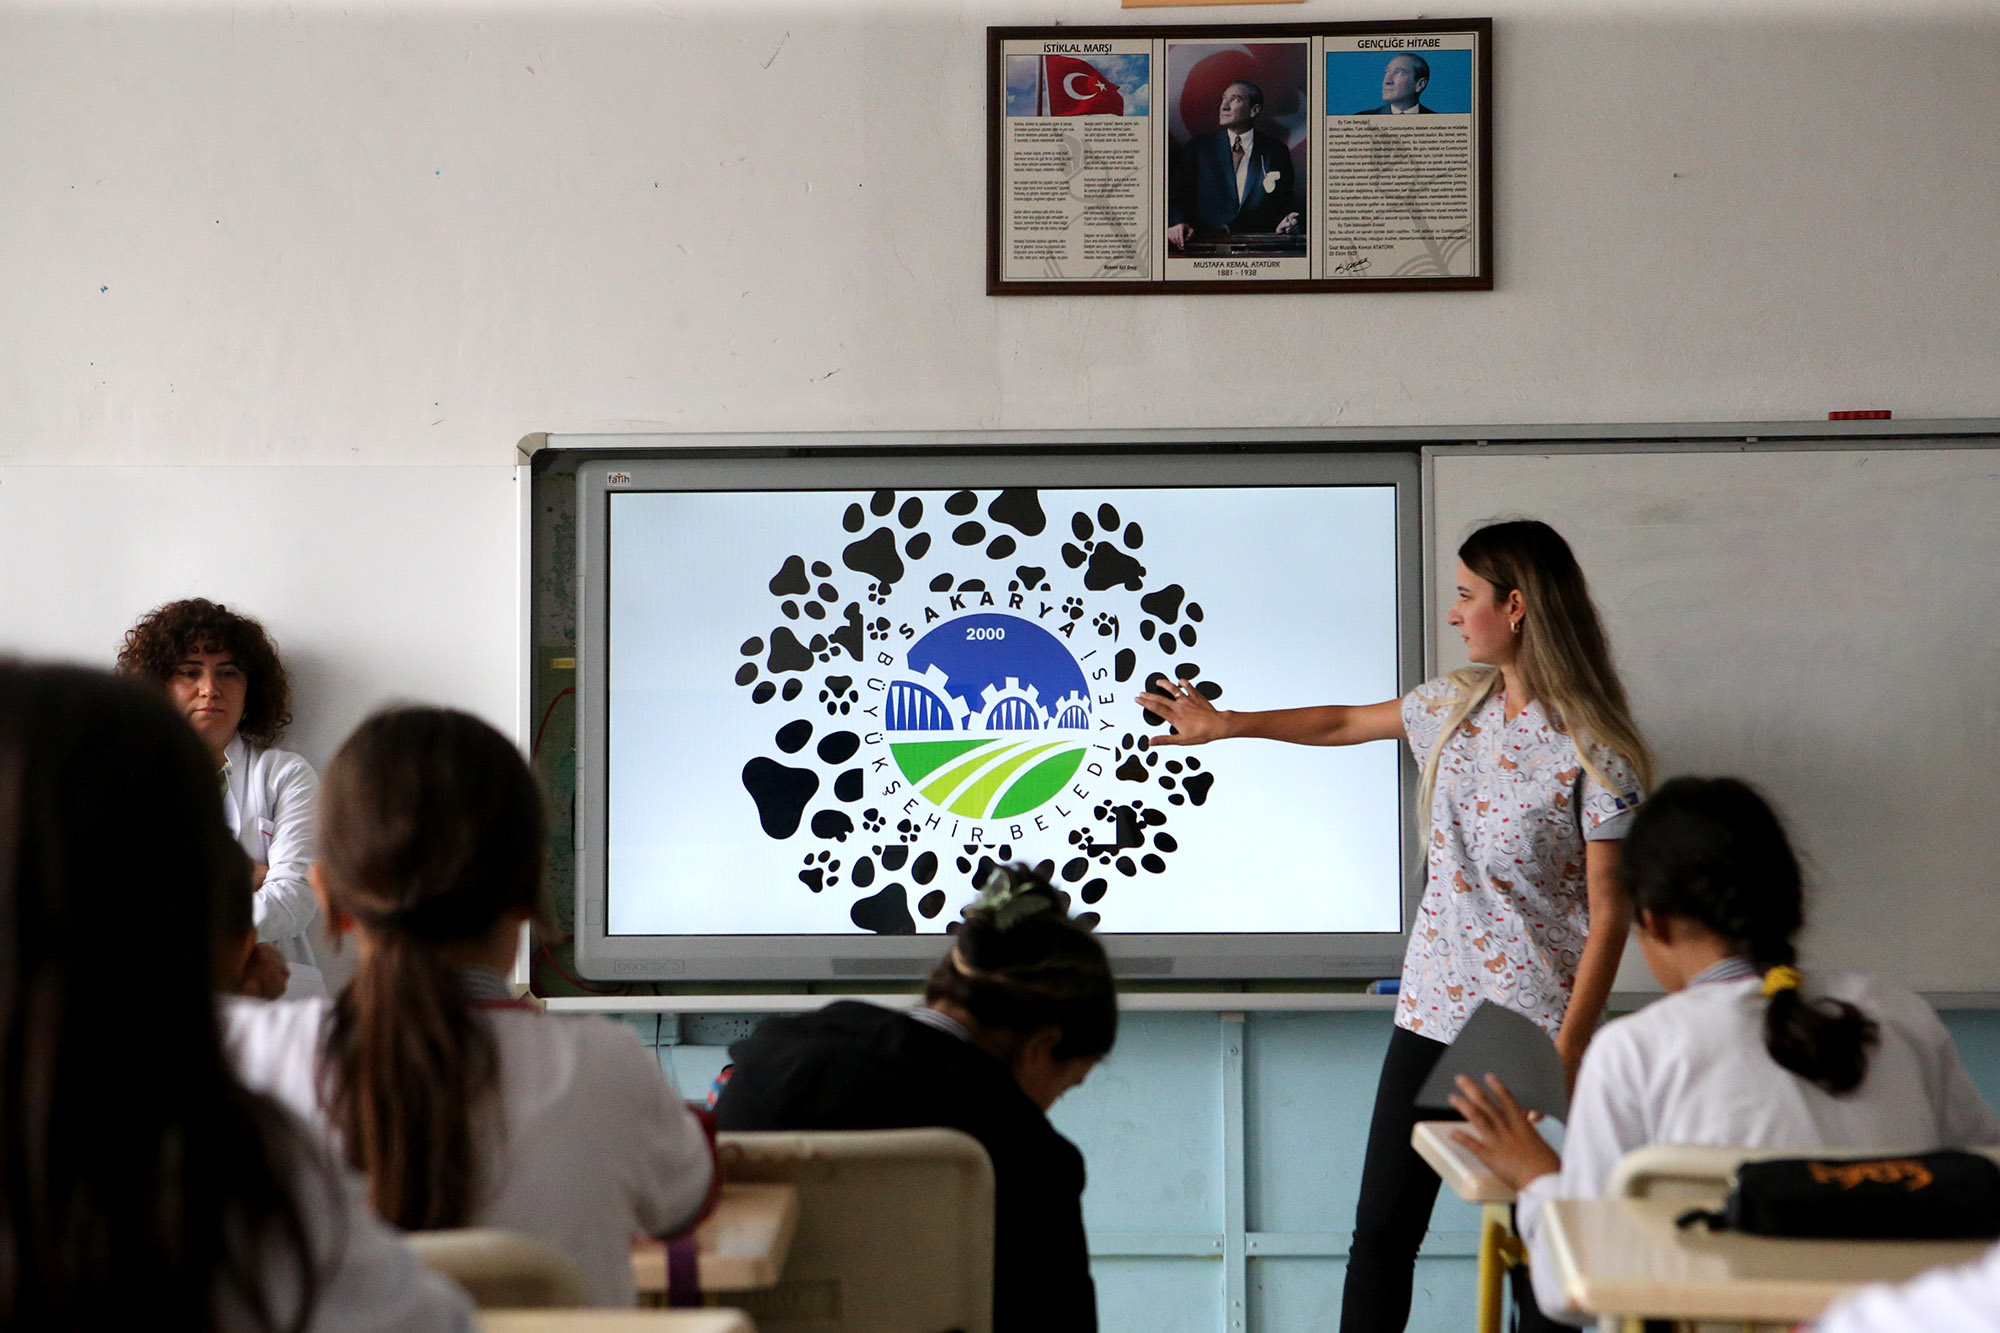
(1196, 721)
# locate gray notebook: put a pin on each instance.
(1497, 1040)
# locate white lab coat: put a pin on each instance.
(1963, 1299)
(596, 1145)
(1691, 1068)
(270, 801)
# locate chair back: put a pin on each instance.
(1702, 1174)
(502, 1269)
(895, 1231)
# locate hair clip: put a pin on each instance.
(1010, 898)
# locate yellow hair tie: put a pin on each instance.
(1781, 978)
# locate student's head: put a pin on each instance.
(1404, 79)
(123, 1168)
(1711, 854)
(431, 829)
(220, 670)
(431, 842)
(1242, 103)
(236, 922)
(1035, 985)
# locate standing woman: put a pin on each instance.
(222, 674)
(1531, 770)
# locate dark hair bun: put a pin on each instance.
(1018, 961)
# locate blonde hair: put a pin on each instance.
(1564, 658)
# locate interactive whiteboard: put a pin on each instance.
(823, 705)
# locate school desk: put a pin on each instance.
(615, 1321)
(1626, 1258)
(741, 1246)
(1467, 1177)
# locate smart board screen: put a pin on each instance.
(824, 707)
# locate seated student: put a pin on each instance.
(1738, 1053)
(461, 1105)
(1962, 1299)
(141, 1184)
(222, 673)
(1016, 1013)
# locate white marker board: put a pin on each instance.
(1822, 622)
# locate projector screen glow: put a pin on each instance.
(824, 707)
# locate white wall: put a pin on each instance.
(377, 583)
(386, 235)
(413, 233)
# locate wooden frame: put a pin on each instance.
(1093, 189)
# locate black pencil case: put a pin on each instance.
(1948, 1195)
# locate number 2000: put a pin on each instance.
(986, 632)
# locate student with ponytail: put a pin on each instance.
(1531, 767)
(142, 1185)
(1745, 1050)
(460, 1105)
(1016, 1013)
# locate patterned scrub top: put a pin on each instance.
(1505, 910)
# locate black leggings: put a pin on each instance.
(1398, 1191)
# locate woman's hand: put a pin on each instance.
(1504, 1136)
(265, 973)
(1194, 718)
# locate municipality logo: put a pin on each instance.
(944, 678)
(990, 717)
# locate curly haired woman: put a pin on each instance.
(222, 673)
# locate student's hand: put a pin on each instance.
(1193, 716)
(257, 872)
(265, 973)
(1504, 1136)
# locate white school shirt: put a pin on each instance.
(369, 1278)
(1963, 1299)
(269, 799)
(597, 1146)
(1505, 907)
(1691, 1068)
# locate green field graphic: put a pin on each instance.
(989, 778)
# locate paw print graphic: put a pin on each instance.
(821, 871)
(878, 629)
(871, 820)
(1104, 553)
(906, 830)
(1073, 607)
(1106, 625)
(876, 553)
(839, 696)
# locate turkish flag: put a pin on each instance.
(1077, 89)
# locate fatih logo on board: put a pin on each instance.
(954, 676)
